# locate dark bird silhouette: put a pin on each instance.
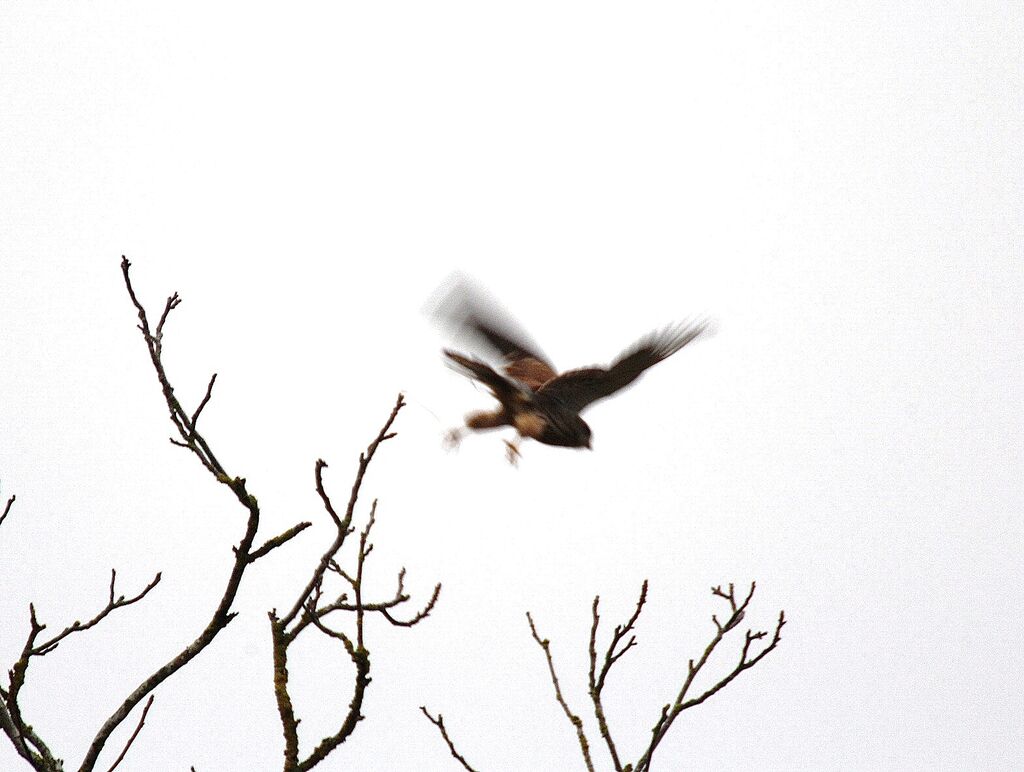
(534, 398)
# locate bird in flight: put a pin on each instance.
(535, 399)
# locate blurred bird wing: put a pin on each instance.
(469, 313)
(578, 388)
(504, 390)
(531, 371)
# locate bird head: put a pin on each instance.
(569, 431)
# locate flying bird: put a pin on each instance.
(534, 398)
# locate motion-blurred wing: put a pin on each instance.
(471, 315)
(520, 359)
(578, 388)
(503, 389)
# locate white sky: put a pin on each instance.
(839, 186)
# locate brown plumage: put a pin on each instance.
(534, 398)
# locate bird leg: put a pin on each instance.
(479, 421)
(485, 419)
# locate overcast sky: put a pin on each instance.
(839, 186)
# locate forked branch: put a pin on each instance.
(615, 651)
(670, 712)
(138, 728)
(27, 743)
(76, 627)
(189, 437)
(309, 612)
(574, 719)
(622, 640)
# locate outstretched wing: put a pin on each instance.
(471, 315)
(521, 361)
(578, 388)
(504, 390)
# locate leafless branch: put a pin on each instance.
(670, 712)
(383, 607)
(575, 720)
(142, 721)
(308, 612)
(303, 615)
(439, 723)
(418, 617)
(11, 721)
(343, 524)
(26, 742)
(337, 634)
(597, 680)
(7, 509)
(196, 443)
(364, 550)
(277, 541)
(113, 603)
(203, 402)
(623, 640)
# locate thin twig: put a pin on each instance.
(418, 617)
(383, 607)
(11, 721)
(307, 612)
(439, 723)
(277, 541)
(181, 419)
(112, 604)
(7, 509)
(342, 524)
(202, 404)
(597, 681)
(191, 438)
(575, 720)
(364, 549)
(142, 720)
(670, 712)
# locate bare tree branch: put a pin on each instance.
(7, 509)
(303, 615)
(307, 612)
(669, 713)
(575, 720)
(277, 541)
(142, 721)
(196, 443)
(597, 681)
(112, 604)
(16, 734)
(12, 724)
(203, 403)
(343, 524)
(439, 723)
(418, 617)
(11, 721)
(28, 744)
(364, 550)
(623, 640)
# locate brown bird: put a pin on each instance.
(534, 398)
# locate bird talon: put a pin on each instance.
(512, 453)
(452, 439)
